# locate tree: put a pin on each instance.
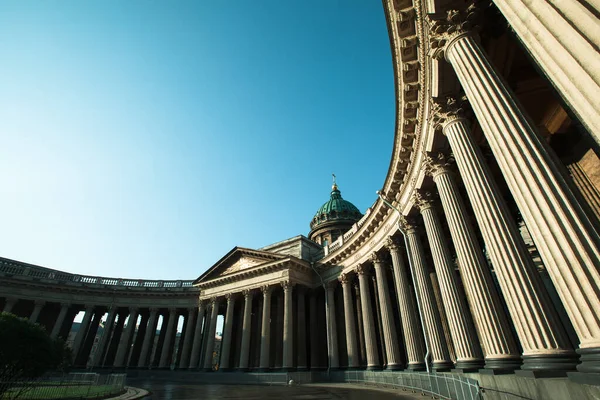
(26, 353)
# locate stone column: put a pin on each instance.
(413, 335)
(361, 333)
(497, 341)
(83, 328)
(105, 339)
(440, 306)
(351, 344)
(460, 324)
(368, 323)
(37, 309)
(227, 331)
(123, 348)
(246, 330)
(9, 303)
(390, 335)
(184, 361)
(148, 338)
(265, 343)
(314, 336)
(334, 360)
(64, 308)
(210, 338)
(429, 311)
(545, 343)
(562, 37)
(288, 328)
(197, 346)
(302, 365)
(568, 243)
(166, 351)
(378, 327)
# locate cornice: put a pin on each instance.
(405, 20)
(290, 263)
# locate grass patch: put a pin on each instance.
(65, 392)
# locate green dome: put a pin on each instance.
(336, 209)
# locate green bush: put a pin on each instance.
(27, 352)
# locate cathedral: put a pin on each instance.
(480, 256)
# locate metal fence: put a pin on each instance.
(68, 386)
(443, 386)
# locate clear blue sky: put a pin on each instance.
(147, 138)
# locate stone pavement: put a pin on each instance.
(185, 391)
(131, 394)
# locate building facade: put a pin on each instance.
(482, 251)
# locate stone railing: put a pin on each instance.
(11, 268)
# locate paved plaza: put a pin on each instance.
(187, 391)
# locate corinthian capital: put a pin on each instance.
(344, 279)
(437, 164)
(392, 244)
(423, 200)
(376, 258)
(448, 109)
(453, 24)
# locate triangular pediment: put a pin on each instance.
(237, 260)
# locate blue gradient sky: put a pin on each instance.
(147, 138)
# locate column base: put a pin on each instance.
(416, 367)
(263, 369)
(590, 360)
(464, 366)
(554, 364)
(245, 369)
(442, 366)
(226, 369)
(502, 365)
(288, 369)
(374, 368)
(206, 370)
(585, 378)
(394, 367)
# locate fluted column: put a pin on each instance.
(429, 312)
(362, 357)
(83, 328)
(562, 37)
(460, 324)
(37, 309)
(123, 348)
(390, 336)
(545, 343)
(368, 323)
(210, 338)
(197, 346)
(9, 303)
(64, 308)
(497, 341)
(265, 343)
(314, 337)
(568, 243)
(246, 331)
(288, 328)
(301, 329)
(227, 331)
(413, 334)
(105, 339)
(184, 361)
(148, 339)
(351, 344)
(166, 351)
(334, 359)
